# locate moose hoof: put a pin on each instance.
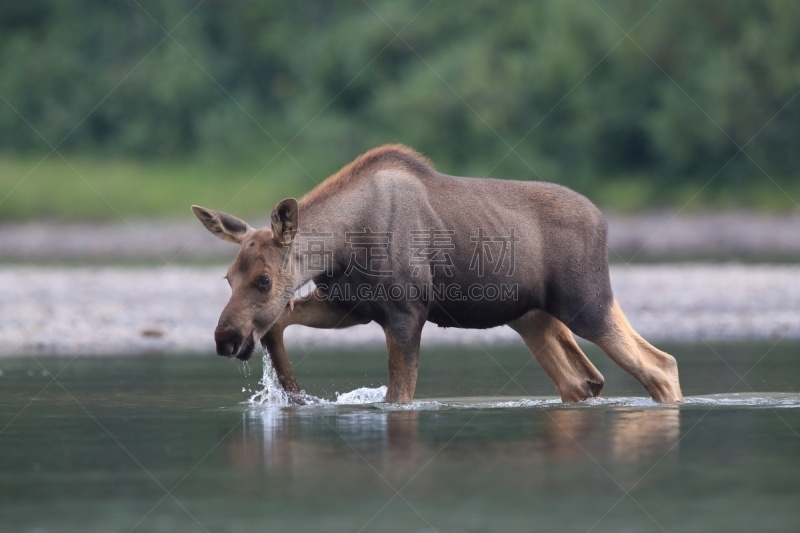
(583, 391)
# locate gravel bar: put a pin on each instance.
(48, 310)
(650, 236)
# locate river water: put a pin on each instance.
(173, 443)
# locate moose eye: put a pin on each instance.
(264, 282)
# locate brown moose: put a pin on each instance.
(390, 239)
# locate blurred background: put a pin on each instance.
(679, 118)
(143, 108)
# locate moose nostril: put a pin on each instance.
(228, 343)
(226, 348)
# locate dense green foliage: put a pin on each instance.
(630, 122)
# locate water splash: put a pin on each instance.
(760, 399)
(768, 400)
(272, 394)
(362, 396)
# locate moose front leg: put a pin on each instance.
(402, 344)
(314, 311)
(273, 342)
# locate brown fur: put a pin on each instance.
(556, 351)
(384, 157)
(560, 270)
(654, 369)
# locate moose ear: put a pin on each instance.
(284, 221)
(226, 227)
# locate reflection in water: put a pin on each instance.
(277, 438)
(274, 429)
(465, 463)
(402, 438)
(630, 436)
(637, 435)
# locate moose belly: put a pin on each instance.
(475, 315)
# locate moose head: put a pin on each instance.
(260, 276)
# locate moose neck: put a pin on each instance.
(315, 216)
(323, 219)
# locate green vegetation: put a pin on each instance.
(154, 123)
(91, 188)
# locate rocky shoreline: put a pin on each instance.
(58, 310)
(652, 236)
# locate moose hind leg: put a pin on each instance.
(553, 347)
(656, 370)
